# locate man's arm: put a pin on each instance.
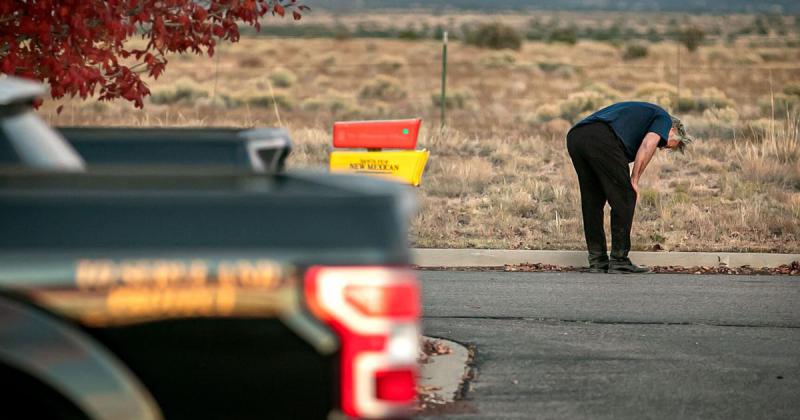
(643, 156)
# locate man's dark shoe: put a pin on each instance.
(625, 266)
(597, 268)
(598, 263)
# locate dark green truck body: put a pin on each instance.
(259, 149)
(198, 367)
(121, 345)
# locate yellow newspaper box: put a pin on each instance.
(402, 165)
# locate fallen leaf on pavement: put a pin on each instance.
(792, 269)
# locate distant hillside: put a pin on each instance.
(696, 6)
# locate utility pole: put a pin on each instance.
(678, 81)
(444, 77)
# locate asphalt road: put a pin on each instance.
(575, 346)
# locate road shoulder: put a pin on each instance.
(431, 257)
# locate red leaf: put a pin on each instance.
(78, 46)
(7, 66)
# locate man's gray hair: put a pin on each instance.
(680, 133)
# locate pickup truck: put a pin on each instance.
(197, 291)
(257, 149)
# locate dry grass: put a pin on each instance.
(499, 175)
(735, 197)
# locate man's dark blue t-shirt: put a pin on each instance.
(631, 121)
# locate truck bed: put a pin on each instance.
(260, 148)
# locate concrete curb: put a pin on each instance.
(499, 257)
(445, 371)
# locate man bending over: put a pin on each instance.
(601, 146)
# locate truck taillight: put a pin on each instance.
(395, 385)
(396, 301)
(375, 312)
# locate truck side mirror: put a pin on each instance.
(268, 148)
(27, 139)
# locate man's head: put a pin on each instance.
(678, 138)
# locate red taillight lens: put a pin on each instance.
(395, 385)
(375, 312)
(399, 301)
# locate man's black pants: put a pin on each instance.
(603, 175)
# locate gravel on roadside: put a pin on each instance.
(792, 269)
